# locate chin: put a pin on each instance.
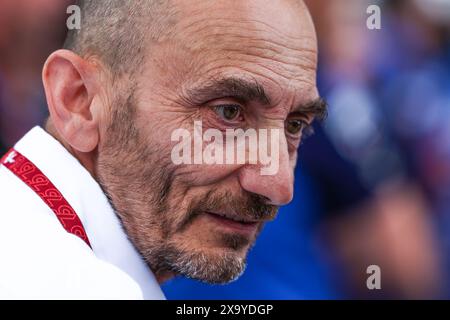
(216, 266)
(211, 261)
(206, 249)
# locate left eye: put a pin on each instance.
(229, 112)
(295, 127)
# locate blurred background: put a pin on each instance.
(372, 184)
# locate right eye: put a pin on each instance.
(229, 112)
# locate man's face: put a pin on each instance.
(230, 65)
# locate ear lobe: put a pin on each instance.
(70, 88)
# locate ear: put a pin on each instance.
(71, 87)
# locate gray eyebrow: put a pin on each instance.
(245, 91)
(317, 107)
(240, 89)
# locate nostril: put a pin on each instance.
(272, 190)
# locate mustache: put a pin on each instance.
(246, 205)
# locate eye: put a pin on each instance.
(229, 112)
(295, 126)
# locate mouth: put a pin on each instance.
(234, 223)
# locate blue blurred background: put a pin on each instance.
(372, 184)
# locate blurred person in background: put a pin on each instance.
(391, 88)
(29, 31)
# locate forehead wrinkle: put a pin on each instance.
(217, 27)
(289, 60)
(216, 19)
(268, 42)
(254, 12)
(268, 49)
(299, 68)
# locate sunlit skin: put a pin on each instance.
(230, 64)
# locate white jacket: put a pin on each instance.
(40, 260)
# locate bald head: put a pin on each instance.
(116, 31)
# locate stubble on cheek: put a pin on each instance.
(135, 171)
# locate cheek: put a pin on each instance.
(204, 174)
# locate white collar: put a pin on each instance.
(109, 241)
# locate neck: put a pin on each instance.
(164, 276)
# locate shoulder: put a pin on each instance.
(40, 260)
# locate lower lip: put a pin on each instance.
(234, 225)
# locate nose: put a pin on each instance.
(277, 187)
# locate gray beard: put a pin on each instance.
(217, 269)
